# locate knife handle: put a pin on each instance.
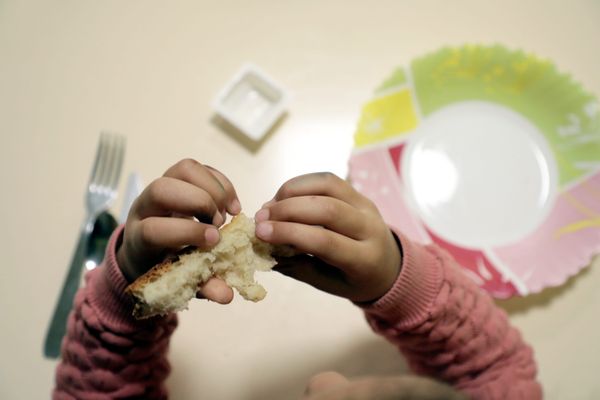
(58, 324)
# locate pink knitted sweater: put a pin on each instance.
(443, 324)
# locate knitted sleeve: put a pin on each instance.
(450, 330)
(106, 354)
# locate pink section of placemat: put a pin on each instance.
(564, 244)
(479, 267)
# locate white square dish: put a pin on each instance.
(252, 102)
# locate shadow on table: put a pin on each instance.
(251, 145)
(519, 305)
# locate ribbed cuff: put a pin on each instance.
(409, 301)
(107, 295)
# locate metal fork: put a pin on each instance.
(101, 192)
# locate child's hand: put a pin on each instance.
(183, 207)
(355, 254)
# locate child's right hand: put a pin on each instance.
(182, 208)
(353, 253)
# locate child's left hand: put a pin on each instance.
(353, 252)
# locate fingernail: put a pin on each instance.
(235, 207)
(264, 230)
(262, 215)
(211, 235)
(218, 219)
(268, 203)
(221, 298)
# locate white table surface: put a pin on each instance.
(150, 69)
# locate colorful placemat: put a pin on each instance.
(414, 169)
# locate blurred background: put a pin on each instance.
(150, 70)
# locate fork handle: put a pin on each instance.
(58, 324)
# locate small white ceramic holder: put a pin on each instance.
(252, 102)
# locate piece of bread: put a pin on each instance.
(170, 285)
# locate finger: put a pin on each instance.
(167, 196)
(167, 233)
(329, 246)
(329, 212)
(233, 202)
(325, 381)
(215, 289)
(193, 172)
(321, 184)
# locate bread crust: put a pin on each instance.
(159, 270)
